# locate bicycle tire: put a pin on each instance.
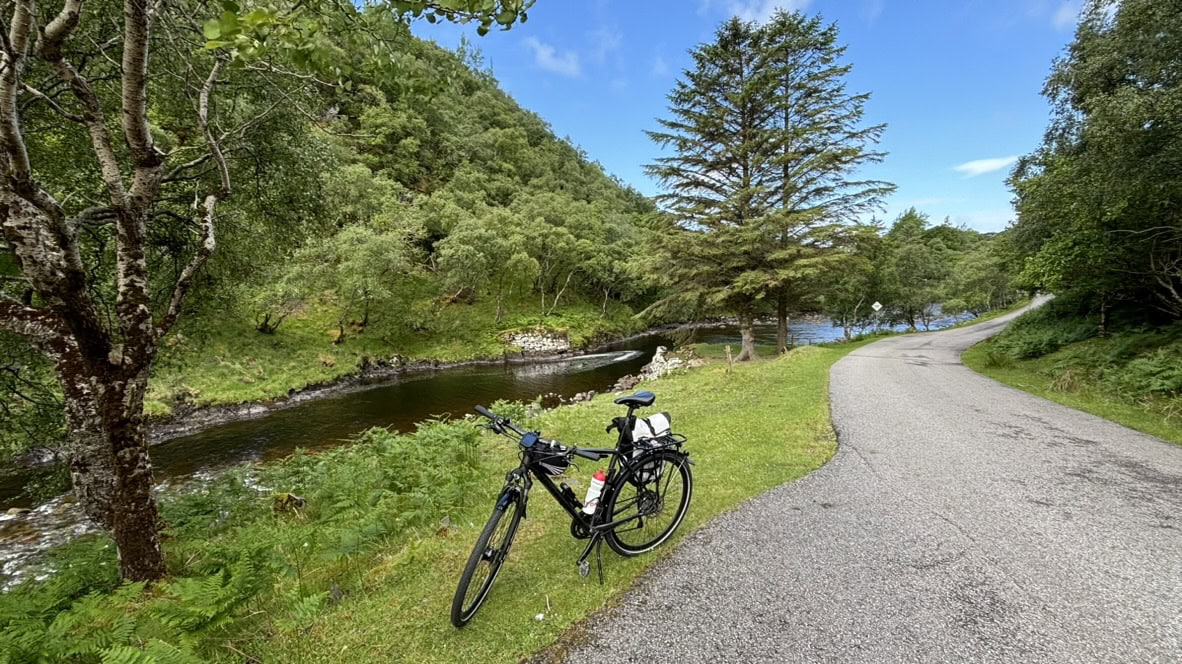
(635, 490)
(487, 557)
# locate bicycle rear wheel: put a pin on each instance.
(487, 557)
(650, 499)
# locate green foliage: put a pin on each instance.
(238, 565)
(1045, 330)
(1098, 201)
(763, 137)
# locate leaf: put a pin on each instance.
(231, 6)
(212, 30)
(229, 23)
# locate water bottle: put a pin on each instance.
(593, 492)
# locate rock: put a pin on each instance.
(538, 341)
(288, 502)
(583, 396)
(16, 511)
(626, 383)
(661, 364)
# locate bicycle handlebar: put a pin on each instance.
(499, 424)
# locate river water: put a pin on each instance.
(397, 403)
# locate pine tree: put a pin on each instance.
(719, 178)
(765, 142)
(819, 142)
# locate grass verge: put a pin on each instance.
(1041, 377)
(365, 570)
(990, 315)
(764, 424)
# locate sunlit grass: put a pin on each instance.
(762, 424)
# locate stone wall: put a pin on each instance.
(540, 342)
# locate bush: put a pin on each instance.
(1046, 330)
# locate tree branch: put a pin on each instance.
(208, 238)
(72, 117)
(49, 48)
(12, 64)
(39, 325)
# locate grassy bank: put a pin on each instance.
(366, 569)
(990, 315)
(227, 361)
(1132, 376)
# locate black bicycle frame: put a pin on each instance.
(521, 479)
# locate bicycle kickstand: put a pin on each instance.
(595, 544)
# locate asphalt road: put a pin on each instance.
(961, 520)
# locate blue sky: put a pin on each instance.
(957, 81)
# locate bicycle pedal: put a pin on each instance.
(584, 568)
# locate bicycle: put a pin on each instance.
(633, 513)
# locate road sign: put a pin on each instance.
(877, 306)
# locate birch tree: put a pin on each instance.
(87, 70)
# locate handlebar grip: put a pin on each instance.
(485, 412)
(594, 456)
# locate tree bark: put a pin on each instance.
(92, 466)
(135, 528)
(747, 331)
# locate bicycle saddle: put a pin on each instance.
(638, 400)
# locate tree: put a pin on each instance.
(55, 68)
(488, 250)
(981, 279)
(765, 142)
(917, 269)
(719, 178)
(854, 280)
(821, 142)
(1099, 201)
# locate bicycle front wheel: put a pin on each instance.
(649, 499)
(487, 557)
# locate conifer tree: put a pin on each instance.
(719, 176)
(765, 141)
(819, 143)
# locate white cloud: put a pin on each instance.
(753, 10)
(604, 41)
(548, 58)
(972, 169)
(1066, 16)
(872, 9)
(660, 68)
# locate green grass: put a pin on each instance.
(1046, 377)
(226, 361)
(366, 570)
(718, 351)
(764, 424)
